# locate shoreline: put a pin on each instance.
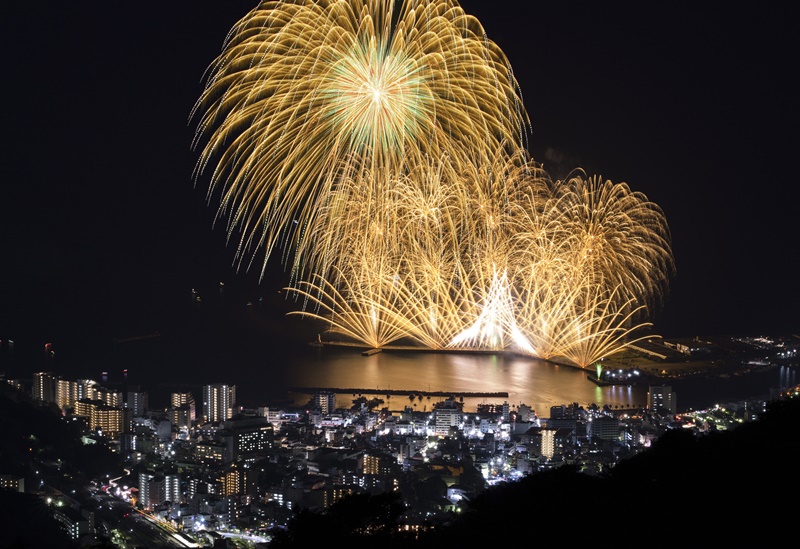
(627, 362)
(402, 392)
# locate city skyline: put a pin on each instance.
(104, 226)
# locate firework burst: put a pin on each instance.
(306, 93)
(377, 145)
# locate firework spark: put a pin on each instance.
(306, 93)
(376, 143)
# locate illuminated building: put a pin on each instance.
(67, 391)
(128, 443)
(273, 415)
(370, 465)
(179, 399)
(182, 416)
(230, 481)
(156, 488)
(446, 414)
(606, 428)
(13, 483)
(375, 474)
(218, 402)
(109, 420)
(16, 383)
(246, 438)
(238, 480)
(138, 403)
(325, 402)
(661, 398)
(44, 386)
(566, 416)
(72, 521)
(210, 453)
(148, 492)
(548, 442)
(109, 396)
(183, 410)
(144, 489)
(335, 494)
(564, 411)
(203, 484)
(172, 488)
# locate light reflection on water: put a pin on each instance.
(535, 383)
(263, 375)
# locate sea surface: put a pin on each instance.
(250, 341)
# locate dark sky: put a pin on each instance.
(102, 226)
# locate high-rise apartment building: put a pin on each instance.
(148, 493)
(247, 438)
(178, 399)
(44, 386)
(231, 481)
(68, 392)
(564, 411)
(109, 396)
(661, 398)
(325, 402)
(446, 417)
(109, 420)
(548, 443)
(182, 417)
(182, 410)
(605, 428)
(376, 465)
(138, 403)
(219, 401)
(172, 488)
(158, 488)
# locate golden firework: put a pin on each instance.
(456, 256)
(376, 143)
(308, 92)
(617, 234)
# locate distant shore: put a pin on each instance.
(653, 373)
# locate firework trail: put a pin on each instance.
(379, 145)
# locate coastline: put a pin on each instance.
(630, 367)
(664, 373)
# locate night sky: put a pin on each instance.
(103, 229)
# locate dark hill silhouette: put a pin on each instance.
(727, 489)
(731, 488)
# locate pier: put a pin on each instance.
(403, 392)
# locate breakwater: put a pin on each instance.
(404, 392)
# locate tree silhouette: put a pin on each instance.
(358, 520)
